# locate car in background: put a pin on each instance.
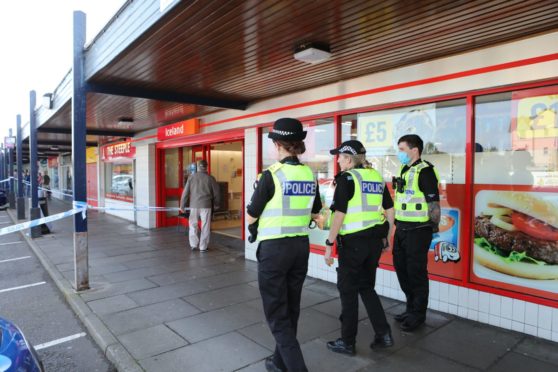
(16, 354)
(122, 184)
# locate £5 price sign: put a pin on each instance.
(375, 131)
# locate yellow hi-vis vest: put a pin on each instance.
(364, 208)
(410, 205)
(288, 213)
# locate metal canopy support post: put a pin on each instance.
(79, 130)
(11, 195)
(5, 165)
(34, 211)
(2, 162)
(20, 198)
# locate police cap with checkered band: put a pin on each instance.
(287, 129)
(352, 147)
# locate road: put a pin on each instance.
(29, 298)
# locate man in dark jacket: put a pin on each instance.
(201, 193)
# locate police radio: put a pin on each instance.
(398, 183)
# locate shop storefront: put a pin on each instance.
(65, 180)
(489, 122)
(179, 148)
(118, 188)
(52, 163)
(91, 159)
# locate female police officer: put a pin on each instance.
(362, 231)
(282, 204)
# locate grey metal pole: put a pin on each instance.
(34, 211)
(11, 195)
(2, 164)
(20, 198)
(79, 179)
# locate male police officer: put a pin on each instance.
(282, 204)
(417, 215)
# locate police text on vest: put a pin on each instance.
(299, 188)
(372, 187)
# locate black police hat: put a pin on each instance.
(352, 147)
(287, 129)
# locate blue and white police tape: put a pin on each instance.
(27, 183)
(78, 208)
(7, 179)
(138, 208)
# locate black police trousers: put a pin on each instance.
(356, 274)
(410, 259)
(282, 268)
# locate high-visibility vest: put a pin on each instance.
(288, 213)
(410, 205)
(364, 209)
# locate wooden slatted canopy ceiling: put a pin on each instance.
(242, 51)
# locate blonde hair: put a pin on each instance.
(360, 159)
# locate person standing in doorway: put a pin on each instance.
(360, 205)
(417, 215)
(201, 194)
(27, 182)
(284, 202)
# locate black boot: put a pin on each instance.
(401, 317)
(339, 346)
(412, 322)
(270, 366)
(382, 341)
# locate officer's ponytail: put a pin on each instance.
(292, 147)
(360, 160)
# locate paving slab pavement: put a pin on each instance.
(155, 305)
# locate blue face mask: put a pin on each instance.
(403, 157)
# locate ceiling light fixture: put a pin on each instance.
(125, 122)
(312, 52)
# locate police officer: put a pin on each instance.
(417, 215)
(360, 227)
(282, 204)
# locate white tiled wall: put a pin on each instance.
(122, 213)
(250, 174)
(500, 311)
(145, 184)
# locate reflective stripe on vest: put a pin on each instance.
(288, 212)
(411, 205)
(364, 209)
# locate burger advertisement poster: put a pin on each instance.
(516, 241)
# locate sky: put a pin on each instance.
(36, 49)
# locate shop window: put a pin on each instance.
(515, 188)
(188, 166)
(53, 174)
(172, 168)
(119, 181)
(319, 140)
(226, 166)
(66, 169)
(442, 127)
